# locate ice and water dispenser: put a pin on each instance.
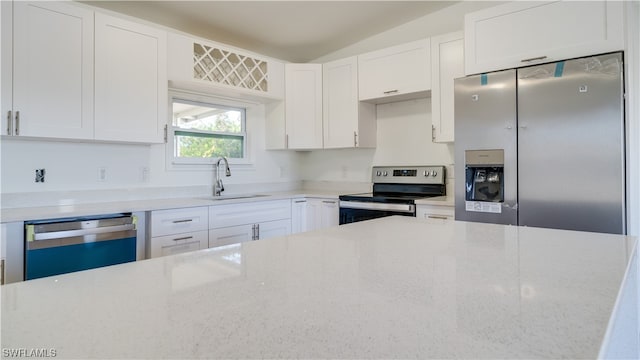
(484, 178)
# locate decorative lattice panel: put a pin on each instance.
(225, 67)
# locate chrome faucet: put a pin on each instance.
(218, 187)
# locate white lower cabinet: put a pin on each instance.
(179, 243)
(176, 231)
(237, 223)
(308, 214)
(435, 213)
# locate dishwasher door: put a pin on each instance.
(61, 246)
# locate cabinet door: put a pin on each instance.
(52, 70)
(131, 81)
(303, 106)
(231, 235)
(6, 67)
(524, 33)
(179, 243)
(330, 214)
(271, 229)
(447, 63)
(298, 215)
(396, 73)
(346, 121)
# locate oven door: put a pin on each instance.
(354, 211)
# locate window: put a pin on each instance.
(203, 131)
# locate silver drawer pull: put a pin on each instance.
(9, 123)
(17, 129)
(437, 217)
(533, 59)
(300, 201)
(182, 221)
(328, 202)
(390, 91)
(183, 238)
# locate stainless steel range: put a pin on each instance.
(395, 190)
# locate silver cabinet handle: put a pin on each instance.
(286, 141)
(9, 123)
(533, 59)
(17, 123)
(182, 221)
(328, 202)
(437, 217)
(253, 232)
(355, 139)
(183, 238)
(390, 91)
(300, 201)
(257, 231)
(2, 272)
(433, 133)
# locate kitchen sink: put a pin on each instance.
(232, 197)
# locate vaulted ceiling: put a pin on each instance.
(296, 31)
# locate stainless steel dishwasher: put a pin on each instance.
(60, 246)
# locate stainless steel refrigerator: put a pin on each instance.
(543, 146)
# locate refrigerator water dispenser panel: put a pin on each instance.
(484, 180)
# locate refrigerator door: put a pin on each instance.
(485, 119)
(571, 169)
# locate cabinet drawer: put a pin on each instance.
(248, 213)
(177, 221)
(179, 243)
(435, 212)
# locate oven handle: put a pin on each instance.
(377, 206)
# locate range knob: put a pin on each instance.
(378, 173)
(426, 173)
(384, 173)
(434, 173)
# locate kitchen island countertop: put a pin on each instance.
(395, 287)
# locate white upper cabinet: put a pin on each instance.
(211, 68)
(447, 63)
(524, 33)
(130, 81)
(52, 70)
(303, 106)
(397, 73)
(347, 122)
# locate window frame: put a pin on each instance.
(193, 163)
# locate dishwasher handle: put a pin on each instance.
(77, 233)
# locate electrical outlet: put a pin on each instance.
(102, 174)
(40, 175)
(144, 174)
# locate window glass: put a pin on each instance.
(203, 130)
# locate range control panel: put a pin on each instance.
(409, 174)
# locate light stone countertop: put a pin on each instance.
(395, 287)
(59, 211)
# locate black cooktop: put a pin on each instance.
(397, 193)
